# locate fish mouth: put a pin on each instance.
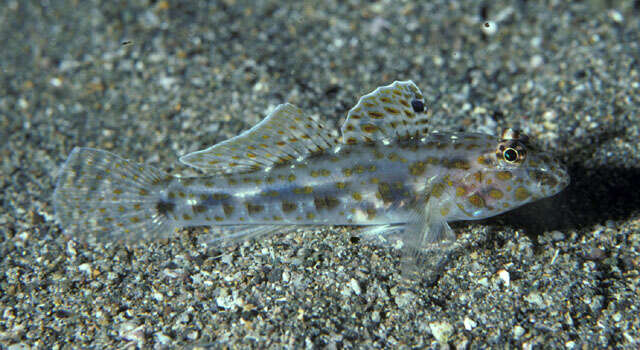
(563, 178)
(551, 179)
(555, 180)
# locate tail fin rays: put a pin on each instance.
(104, 197)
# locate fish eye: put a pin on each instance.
(511, 151)
(510, 155)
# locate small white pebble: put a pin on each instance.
(55, 82)
(489, 27)
(8, 314)
(517, 332)
(85, 268)
(161, 338)
(437, 61)
(404, 299)
(549, 115)
(259, 86)
(23, 236)
(126, 327)
(131, 332)
(71, 249)
(355, 286)
(442, 331)
(536, 61)
(616, 16)
(166, 82)
(550, 125)
(22, 103)
(617, 317)
(228, 301)
(170, 273)
(185, 317)
(629, 338)
(469, 324)
(193, 335)
(483, 282)
(557, 235)
(479, 110)
(504, 276)
(300, 315)
(226, 259)
(534, 298)
(535, 41)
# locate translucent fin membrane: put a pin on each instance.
(222, 236)
(103, 196)
(284, 135)
(391, 112)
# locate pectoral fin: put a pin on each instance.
(427, 243)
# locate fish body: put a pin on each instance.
(386, 171)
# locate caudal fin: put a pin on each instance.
(107, 198)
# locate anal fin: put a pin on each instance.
(226, 235)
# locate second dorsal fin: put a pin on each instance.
(284, 135)
(391, 112)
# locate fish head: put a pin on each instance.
(507, 173)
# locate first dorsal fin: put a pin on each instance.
(391, 112)
(284, 135)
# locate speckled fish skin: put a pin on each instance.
(368, 185)
(387, 169)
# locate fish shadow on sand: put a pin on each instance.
(595, 195)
